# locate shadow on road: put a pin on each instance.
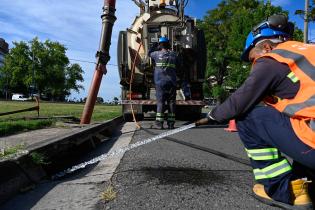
(175, 176)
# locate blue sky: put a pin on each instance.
(77, 24)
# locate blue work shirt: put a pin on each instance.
(166, 62)
(268, 77)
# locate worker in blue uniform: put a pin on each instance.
(166, 62)
(267, 131)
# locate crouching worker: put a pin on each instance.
(166, 62)
(283, 76)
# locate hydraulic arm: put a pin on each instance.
(102, 58)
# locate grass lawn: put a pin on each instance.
(12, 123)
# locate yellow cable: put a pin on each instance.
(130, 86)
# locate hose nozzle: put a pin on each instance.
(203, 121)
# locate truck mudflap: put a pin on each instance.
(153, 102)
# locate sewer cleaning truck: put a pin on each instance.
(159, 18)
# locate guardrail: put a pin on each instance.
(35, 108)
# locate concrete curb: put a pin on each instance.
(21, 173)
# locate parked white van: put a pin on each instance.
(18, 97)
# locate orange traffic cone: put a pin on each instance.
(232, 126)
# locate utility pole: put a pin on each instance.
(306, 20)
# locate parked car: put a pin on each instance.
(19, 97)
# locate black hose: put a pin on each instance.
(205, 149)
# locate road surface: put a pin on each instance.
(173, 173)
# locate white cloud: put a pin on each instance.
(75, 23)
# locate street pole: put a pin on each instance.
(6, 88)
(108, 19)
(306, 20)
(33, 76)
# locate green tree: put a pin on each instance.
(311, 14)
(15, 69)
(115, 100)
(99, 100)
(73, 74)
(43, 65)
(226, 28)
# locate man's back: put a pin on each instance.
(165, 67)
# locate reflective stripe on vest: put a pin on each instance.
(273, 170)
(263, 154)
(292, 109)
(300, 61)
(312, 125)
(166, 65)
(292, 77)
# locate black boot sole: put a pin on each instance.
(283, 205)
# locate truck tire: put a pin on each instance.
(188, 113)
(129, 118)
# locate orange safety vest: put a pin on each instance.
(300, 58)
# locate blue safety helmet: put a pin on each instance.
(163, 39)
(263, 31)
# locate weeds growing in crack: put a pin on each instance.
(109, 194)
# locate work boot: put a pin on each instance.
(171, 126)
(299, 189)
(300, 196)
(157, 125)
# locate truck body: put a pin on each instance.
(156, 19)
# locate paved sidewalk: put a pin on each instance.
(31, 137)
(81, 190)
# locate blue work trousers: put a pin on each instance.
(166, 100)
(265, 127)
